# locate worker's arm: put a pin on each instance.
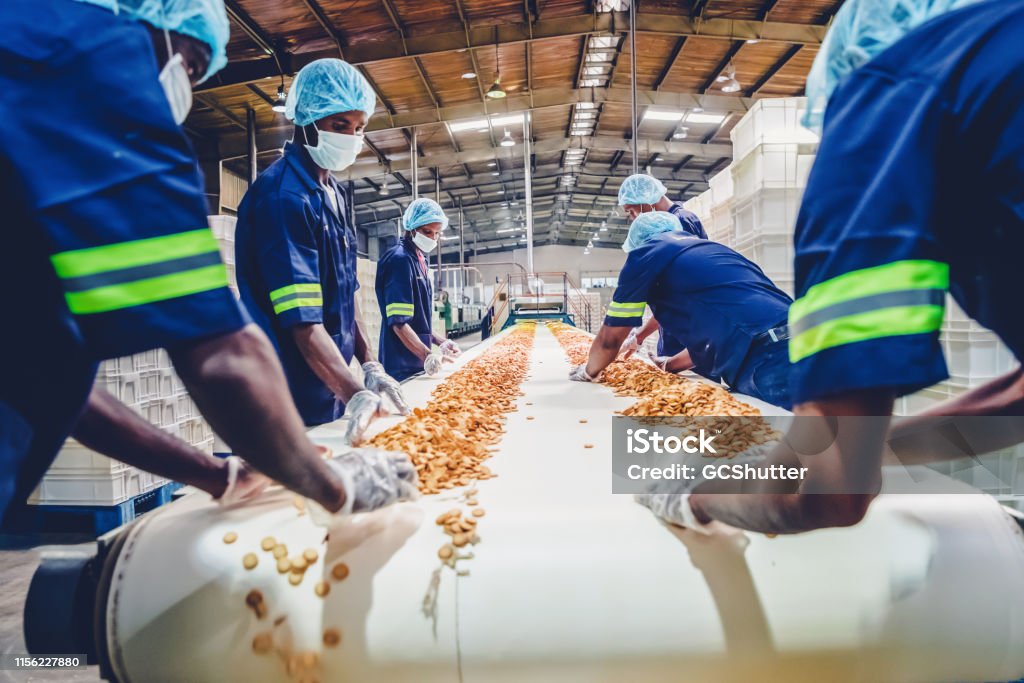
(323, 357)
(647, 329)
(851, 464)
(411, 341)
(679, 362)
(363, 351)
(238, 384)
(605, 348)
(927, 437)
(112, 428)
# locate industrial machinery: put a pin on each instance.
(568, 581)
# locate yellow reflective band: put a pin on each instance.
(302, 288)
(296, 303)
(399, 309)
(93, 260)
(147, 291)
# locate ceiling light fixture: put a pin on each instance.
(496, 92)
(729, 78)
(469, 74)
(280, 102)
(507, 140)
(384, 191)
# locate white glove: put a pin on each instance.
(630, 346)
(579, 374)
(432, 364)
(372, 479)
(450, 349)
(360, 411)
(673, 508)
(377, 380)
(660, 361)
(243, 482)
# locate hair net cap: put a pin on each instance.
(862, 30)
(325, 87)
(648, 225)
(204, 20)
(641, 189)
(424, 211)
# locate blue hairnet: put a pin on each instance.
(204, 20)
(648, 225)
(423, 211)
(862, 30)
(325, 87)
(641, 189)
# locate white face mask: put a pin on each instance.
(334, 151)
(177, 88)
(424, 243)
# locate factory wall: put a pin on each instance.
(551, 258)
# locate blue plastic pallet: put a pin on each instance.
(98, 518)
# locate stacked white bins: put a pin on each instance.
(773, 158)
(146, 383)
(720, 225)
(223, 228)
(366, 298)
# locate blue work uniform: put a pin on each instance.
(404, 295)
(295, 257)
(883, 232)
(731, 315)
(688, 219)
(108, 251)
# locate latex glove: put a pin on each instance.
(674, 508)
(660, 361)
(360, 411)
(372, 479)
(243, 482)
(380, 382)
(631, 345)
(432, 364)
(579, 374)
(450, 349)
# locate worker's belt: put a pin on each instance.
(776, 334)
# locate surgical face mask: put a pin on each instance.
(177, 88)
(334, 151)
(424, 243)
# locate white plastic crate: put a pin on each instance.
(74, 458)
(721, 187)
(771, 166)
(926, 398)
(720, 228)
(771, 120)
(767, 212)
(89, 489)
(773, 253)
(977, 356)
(222, 226)
(124, 388)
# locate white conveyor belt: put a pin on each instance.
(572, 583)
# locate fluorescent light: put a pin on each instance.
(449, 237)
(502, 232)
(662, 115)
(696, 117)
(475, 124)
(492, 164)
(659, 158)
(753, 41)
(495, 173)
(468, 75)
(506, 120)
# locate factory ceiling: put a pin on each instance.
(564, 63)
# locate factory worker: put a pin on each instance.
(641, 193)
(925, 101)
(405, 298)
(113, 256)
(733, 316)
(295, 250)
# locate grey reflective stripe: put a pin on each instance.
(297, 295)
(117, 277)
(907, 297)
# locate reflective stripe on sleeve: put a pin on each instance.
(896, 299)
(126, 274)
(296, 296)
(399, 309)
(626, 310)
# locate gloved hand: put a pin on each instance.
(372, 479)
(660, 361)
(674, 508)
(432, 364)
(360, 411)
(377, 380)
(450, 349)
(579, 374)
(630, 346)
(243, 483)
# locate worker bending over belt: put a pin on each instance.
(405, 297)
(925, 101)
(114, 256)
(729, 315)
(296, 252)
(639, 194)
